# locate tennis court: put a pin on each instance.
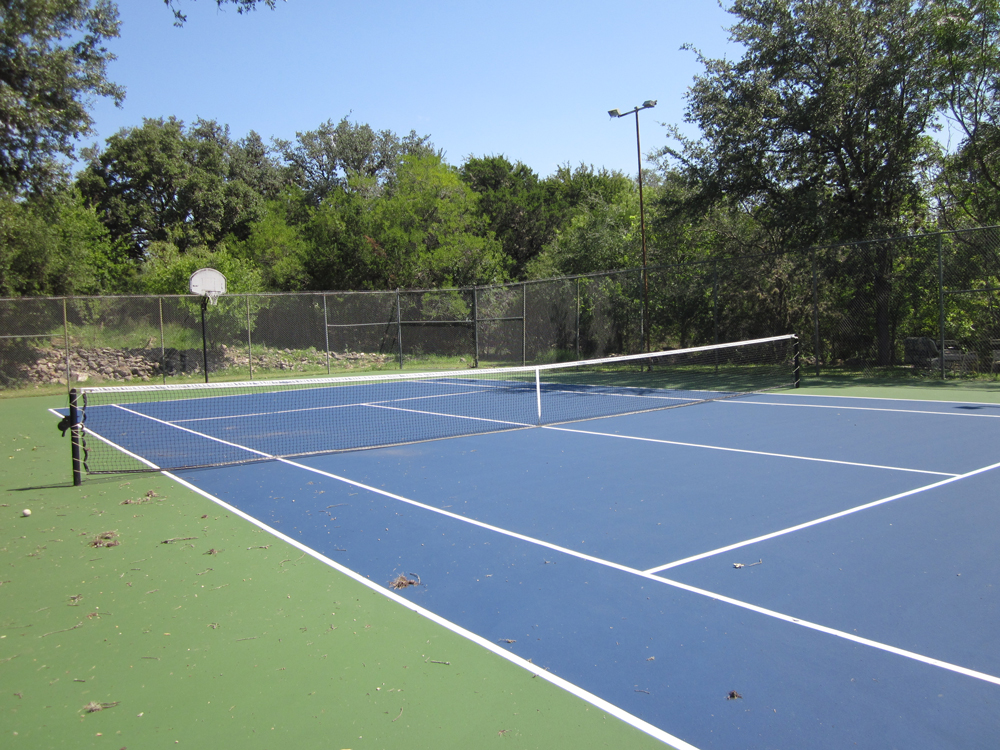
(764, 569)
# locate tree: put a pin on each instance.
(163, 183)
(514, 200)
(967, 60)
(52, 63)
(432, 233)
(428, 232)
(819, 129)
(56, 245)
(326, 158)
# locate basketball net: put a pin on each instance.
(213, 297)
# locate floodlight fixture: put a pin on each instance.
(648, 104)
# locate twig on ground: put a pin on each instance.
(66, 630)
(178, 539)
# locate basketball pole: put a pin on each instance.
(204, 336)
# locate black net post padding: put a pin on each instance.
(74, 438)
(796, 371)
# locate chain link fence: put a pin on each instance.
(924, 306)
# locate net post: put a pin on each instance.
(538, 392)
(74, 437)
(796, 372)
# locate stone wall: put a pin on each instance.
(48, 366)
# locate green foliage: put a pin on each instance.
(430, 232)
(52, 64)
(966, 43)
(600, 236)
(58, 246)
(335, 156)
(277, 248)
(819, 128)
(168, 271)
(595, 215)
(162, 183)
(516, 203)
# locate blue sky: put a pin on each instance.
(530, 80)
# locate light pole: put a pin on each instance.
(648, 104)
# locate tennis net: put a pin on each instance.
(152, 427)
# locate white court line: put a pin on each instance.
(640, 573)
(453, 416)
(537, 671)
(869, 408)
(320, 408)
(894, 399)
(752, 452)
(817, 521)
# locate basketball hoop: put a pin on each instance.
(208, 283)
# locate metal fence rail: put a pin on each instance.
(924, 306)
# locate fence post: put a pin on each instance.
(524, 324)
(715, 312)
(399, 330)
(475, 324)
(326, 335)
(578, 318)
(249, 340)
(815, 290)
(66, 343)
(163, 348)
(941, 304)
(715, 301)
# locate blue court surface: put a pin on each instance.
(774, 571)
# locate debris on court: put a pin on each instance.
(741, 565)
(94, 706)
(401, 581)
(178, 539)
(148, 497)
(105, 539)
(733, 695)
